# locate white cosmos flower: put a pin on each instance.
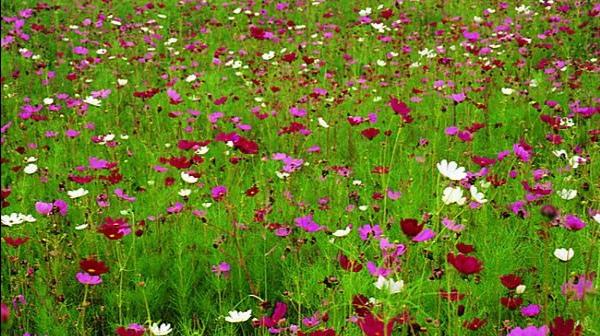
(363, 207)
(560, 153)
(163, 329)
(16, 218)
(190, 78)
(185, 192)
(281, 175)
(453, 195)
(597, 218)
(567, 194)
(451, 170)
(576, 160)
(81, 227)
(206, 205)
(269, 55)
(31, 168)
(48, 101)
(92, 101)
(187, 178)
(202, 150)
(390, 285)
(122, 82)
(365, 12)
(507, 91)
(520, 289)
(322, 122)
(342, 232)
(563, 254)
(77, 193)
(476, 195)
(237, 317)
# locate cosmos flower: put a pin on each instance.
(16, 218)
(567, 194)
(577, 287)
(163, 329)
(451, 170)
(77, 193)
(465, 264)
(88, 279)
(389, 285)
(237, 317)
(453, 195)
(573, 223)
(530, 310)
(563, 254)
(529, 331)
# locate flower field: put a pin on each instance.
(300, 167)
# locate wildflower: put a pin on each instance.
(163, 329)
(77, 193)
(530, 310)
(133, 329)
(307, 224)
(218, 192)
(563, 254)
(222, 268)
(4, 312)
(88, 279)
(389, 285)
(30, 169)
(237, 317)
(451, 170)
(464, 264)
(562, 327)
(453, 195)
(573, 223)
(342, 232)
(510, 281)
(577, 287)
(188, 178)
(529, 331)
(16, 218)
(567, 194)
(93, 266)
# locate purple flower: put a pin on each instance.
(530, 331)
(424, 235)
(530, 310)
(523, 154)
(175, 208)
(452, 226)
(458, 97)
(122, 195)
(576, 288)
(79, 50)
(307, 223)
(88, 279)
(218, 192)
(43, 208)
(573, 223)
(96, 163)
(222, 268)
(366, 230)
(377, 271)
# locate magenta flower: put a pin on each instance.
(218, 192)
(47, 209)
(122, 195)
(307, 223)
(452, 226)
(458, 97)
(88, 279)
(424, 235)
(366, 230)
(530, 331)
(573, 223)
(222, 268)
(577, 288)
(530, 310)
(377, 271)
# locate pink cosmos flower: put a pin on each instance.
(88, 279)
(218, 192)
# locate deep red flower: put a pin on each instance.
(349, 265)
(93, 266)
(511, 303)
(122, 331)
(401, 108)
(370, 133)
(81, 179)
(252, 191)
(453, 295)
(465, 248)
(561, 327)
(177, 162)
(411, 227)
(16, 242)
(483, 161)
(510, 281)
(372, 325)
(475, 323)
(289, 57)
(465, 264)
(246, 146)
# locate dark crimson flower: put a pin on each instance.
(549, 211)
(411, 227)
(401, 109)
(177, 162)
(453, 295)
(323, 332)
(510, 281)
(133, 329)
(475, 323)
(289, 57)
(16, 242)
(511, 303)
(465, 248)
(114, 229)
(465, 264)
(93, 266)
(252, 191)
(4, 312)
(561, 327)
(273, 320)
(349, 265)
(81, 179)
(380, 170)
(246, 146)
(483, 161)
(370, 133)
